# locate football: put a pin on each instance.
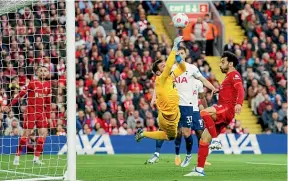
(180, 20)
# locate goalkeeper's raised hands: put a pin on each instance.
(177, 42)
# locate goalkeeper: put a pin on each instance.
(167, 98)
(37, 113)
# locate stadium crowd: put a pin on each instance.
(115, 48)
(263, 59)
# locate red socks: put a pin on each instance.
(202, 153)
(209, 123)
(39, 146)
(22, 142)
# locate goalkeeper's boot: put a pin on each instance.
(196, 172)
(187, 160)
(215, 144)
(38, 162)
(154, 159)
(139, 135)
(16, 161)
(177, 160)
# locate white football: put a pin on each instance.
(180, 20)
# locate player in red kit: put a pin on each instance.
(231, 96)
(37, 112)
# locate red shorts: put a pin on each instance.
(224, 117)
(32, 119)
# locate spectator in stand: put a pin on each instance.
(255, 102)
(200, 29)
(279, 128)
(13, 129)
(115, 49)
(265, 54)
(2, 126)
(97, 28)
(135, 119)
(188, 37)
(10, 118)
(154, 6)
(264, 104)
(211, 35)
(60, 131)
(283, 113)
(267, 117)
(107, 24)
(230, 46)
(252, 91)
(237, 129)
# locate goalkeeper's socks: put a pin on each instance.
(22, 142)
(209, 123)
(202, 153)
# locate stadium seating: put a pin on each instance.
(116, 44)
(262, 56)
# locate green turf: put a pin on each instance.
(132, 168)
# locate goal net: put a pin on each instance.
(33, 115)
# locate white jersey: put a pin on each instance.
(189, 86)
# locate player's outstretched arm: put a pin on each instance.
(207, 84)
(171, 58)
(169, 64)
(19, 96)
(199, 76)
(181, 67)
(203, 99)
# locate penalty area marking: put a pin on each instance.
(256, 163)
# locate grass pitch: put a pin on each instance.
(132, 168)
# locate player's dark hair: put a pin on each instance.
(182, 48)
(231, 57)
(155, 67)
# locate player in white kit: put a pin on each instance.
(188, 88)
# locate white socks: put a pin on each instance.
(157, 154)
(36, 158)
(199, 169)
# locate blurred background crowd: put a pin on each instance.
(115, 48)
(263, 59)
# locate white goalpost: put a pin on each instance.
(35, 33)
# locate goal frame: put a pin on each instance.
(71, 91)
(70, 173)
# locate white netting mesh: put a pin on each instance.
(32, 34)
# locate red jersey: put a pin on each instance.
(229, 93)
(38, 99)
